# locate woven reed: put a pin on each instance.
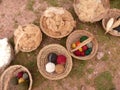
(27, 38)
(42, 60)
(9, 73)
(113, 13)
(11, 58)
(91, 10)
(56, 22)
(75, 36)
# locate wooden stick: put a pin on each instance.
(83, 43)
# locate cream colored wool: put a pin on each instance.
(5, 52)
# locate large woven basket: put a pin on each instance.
(113, 13)
(56, 22)
(91, 10)
(11, 58)
(42, 60)
(75, 36)
(9, 73)
(27, 38)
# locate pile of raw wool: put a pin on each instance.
(27, 38)
(5, 53)
(91, 10)
(56, 21)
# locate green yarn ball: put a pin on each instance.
(87, 52)
(83, 38)
(90, 49)
(14, 80)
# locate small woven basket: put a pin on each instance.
(11, 58)
(9, 73)
(27, 38)
(75, 36)
(91, 10)
(113, 13)
(56, 22)
(42, 59)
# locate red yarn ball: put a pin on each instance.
(20, 74)
(61, 59)
(84, 48)
(82, 54)
(77, 53)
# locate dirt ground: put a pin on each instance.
(85, 75)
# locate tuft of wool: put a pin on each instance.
(5, 52)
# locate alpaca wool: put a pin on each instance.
(5, 52)
(21, 80)
(20, 74)
(61, 59)
(59, 68)
(90, 45)
(52, 57)
(25, 76)
(77, 53)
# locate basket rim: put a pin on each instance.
(68, 69)
(103, 20)
(18, 66)
(85, 57)
(52, 36)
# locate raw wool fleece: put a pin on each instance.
(56, 21)
(5, 52)
(27, 38)
(90, 10)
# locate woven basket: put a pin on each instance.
(91, 10)
(42, 60)
(75, 36)
(27, 38)
(56, 22)
(7, 75)
(11, 58)
(113, 13)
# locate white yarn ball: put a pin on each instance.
(50, 67)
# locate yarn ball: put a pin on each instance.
(90, 49)
(87, 52)
(82, 54)
(20, 74)
(25, 76)
(61, 59)
(77, 53)
(52, 57)
(73, 46)
(77, 43)
(21, 80)
(14, 80)
(59, 68)
(84, 48)
(83, 38)
(50, 67)
(80, 49)
(90, 45)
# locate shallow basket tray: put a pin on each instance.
(11, 71)
(106, 4)
(11, 58)
(115, 13)
(42, 59)
(75, 36)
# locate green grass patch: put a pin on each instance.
(115, 3)
(104, 81)
(105, 58)
(53, 2)
(30, 4)
(78, 68)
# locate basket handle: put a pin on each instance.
(83, 43)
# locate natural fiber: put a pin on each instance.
(9, 73)
(91, 10)
(27, 38)
(75, 36)
(42, 59)
(11, 58)
(113, 13)
(57, 22)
